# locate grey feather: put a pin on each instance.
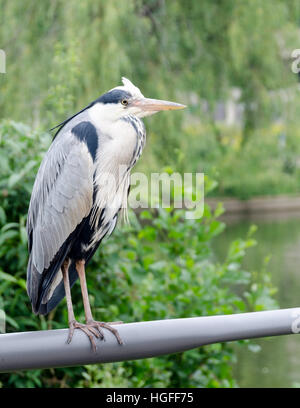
(62, 196)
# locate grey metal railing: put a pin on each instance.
(45, 349)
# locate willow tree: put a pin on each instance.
(61, 55)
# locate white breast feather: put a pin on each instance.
(112, 172)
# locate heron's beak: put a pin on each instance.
(156, 105)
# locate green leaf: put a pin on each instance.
(2, 216)
(7, 277)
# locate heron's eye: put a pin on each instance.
(124, 102)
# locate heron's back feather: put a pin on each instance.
(62, 197)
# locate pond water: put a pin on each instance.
(277, 364)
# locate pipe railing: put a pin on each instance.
(45, 349)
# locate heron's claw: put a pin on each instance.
(100, 325)
(93, 329)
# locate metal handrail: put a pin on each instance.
(45, 349)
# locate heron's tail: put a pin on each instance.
(33, 283)
(46, 289)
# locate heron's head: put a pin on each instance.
(128, 100)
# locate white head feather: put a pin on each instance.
(129, 87)
(101, 113)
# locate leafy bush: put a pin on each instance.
(268, 164)
(159, 266)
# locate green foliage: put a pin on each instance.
(62, 55)
(267, 165)
(159, 266)
(64, 77)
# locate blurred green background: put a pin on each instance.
(230, 62)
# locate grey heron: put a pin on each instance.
(74, 203)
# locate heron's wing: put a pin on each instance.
(62, 197)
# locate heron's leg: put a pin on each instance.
(80, 267)
(71, 317)
(73, 324)
(91, 323)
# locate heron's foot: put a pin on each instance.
(103, 325)
(88, 329)
(93, 330)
